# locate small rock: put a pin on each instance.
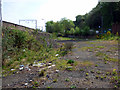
(8, 84)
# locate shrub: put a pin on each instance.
(68, 46)
(65, 48)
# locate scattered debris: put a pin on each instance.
(47, 76)
(21, 68)
(38, 64)
(56, 55)
(30, 80)
(12, 69)
(56, 71)
(77, 57)
(49, 66)
(26, 84)
(21, 65)
(53, 65)
(23, 50)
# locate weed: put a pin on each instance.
(99, 54)
(96, 76)
(49, 87)
(55, 80)
(87, 63)
(69, 68)
(81, 69)
(67, 80)
(115, 86)
(114, 72)
(105, 62)
(70, 62)
(96, 65)
(105, 76)
(42, 73)
(98, 72)
(86, 74)
(107, 73)
(101, 77)
(68, 46)
(73, 86)
(114, 79)
(36, 84)
(100, 47)
(92, 71)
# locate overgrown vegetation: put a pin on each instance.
(21, 47)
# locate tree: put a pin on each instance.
(50, 27)
(67, 24)
(72, 31)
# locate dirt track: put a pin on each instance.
(83, 51)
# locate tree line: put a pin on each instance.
(99, 18)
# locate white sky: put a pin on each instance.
(13, 10)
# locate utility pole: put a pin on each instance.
(102, 24)
(30, 20)
(0, 45)
(0, 15)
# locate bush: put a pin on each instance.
(15, 41)
(68, 46)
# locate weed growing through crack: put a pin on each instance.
(96, 76)
(73, 86)
(55, 80)
(67, 80)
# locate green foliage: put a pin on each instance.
(63, 26)
(55, 80)
(66, 48)
(85, 31)
(67, 80)
(42, 73)
(73, 86)
(70, 62)
(72, 31)
(20, 47)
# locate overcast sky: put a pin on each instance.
(14, 10)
